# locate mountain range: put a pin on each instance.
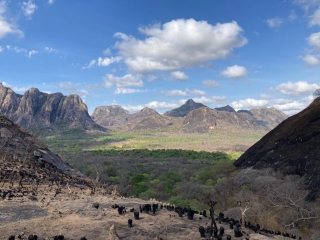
(191, 117)
(38, 111)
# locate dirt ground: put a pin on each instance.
(74, 217)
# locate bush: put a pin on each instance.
(146, 195)
(179, 201)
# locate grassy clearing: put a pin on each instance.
(234, 142)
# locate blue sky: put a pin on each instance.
(160, 53)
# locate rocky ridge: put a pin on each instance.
(38, 111)
(204, 120)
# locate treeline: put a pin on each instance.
(178, 176)
(165, 153)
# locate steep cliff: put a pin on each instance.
(38, 111)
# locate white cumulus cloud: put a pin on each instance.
(314, 40)
(28, 8)
(210, 83)
(315, 18)
(179, 43)
(103, 62)
(179, 76)
(127, 80)
(235, 71)
(248, 103)
(50, 2)
(128, 90)
(7, 27)
(175, 93)
(295, 89)
(107, 61)
(274, 22)
(210, 100)
(287, 106)
(183, 93)
(311, 60)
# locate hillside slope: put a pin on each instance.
(292, 148)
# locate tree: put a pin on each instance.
(290, 198)
(211, 204)
(316, 93)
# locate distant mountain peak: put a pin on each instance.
(190, 102)
(184, 109)
(148, 111)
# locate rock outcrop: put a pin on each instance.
(38, 111)
(292, 148)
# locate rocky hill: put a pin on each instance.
(184, 109)
(36, 111)
(109, 116)
(292, 148)
(203, 120)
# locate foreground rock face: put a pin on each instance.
(21, 149)
(292, 148)
(36, 111)
(203, 120)
(26, 164)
